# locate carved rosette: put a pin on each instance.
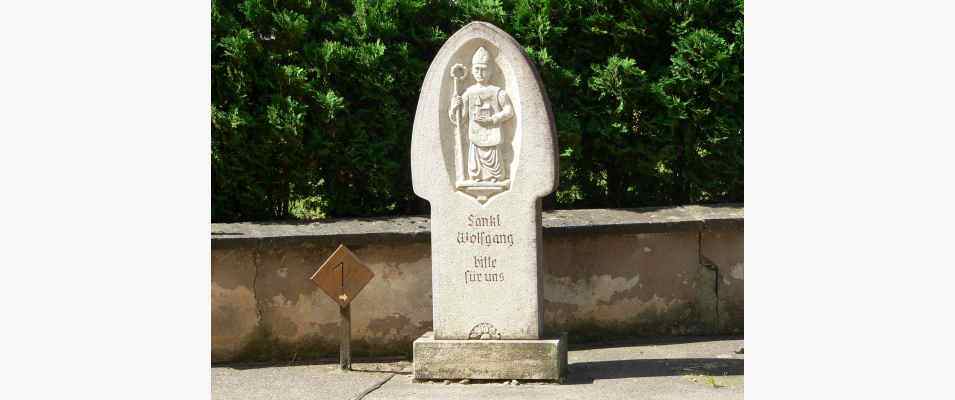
(484, 331)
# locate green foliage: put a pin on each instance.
(313, 100)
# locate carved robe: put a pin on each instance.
(484, 158)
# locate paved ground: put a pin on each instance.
(691, 369)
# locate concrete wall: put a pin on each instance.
(607, 274)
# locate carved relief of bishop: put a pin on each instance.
(485, 107)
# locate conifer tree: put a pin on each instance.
(313, 101)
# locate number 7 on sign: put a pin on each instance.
(341, 273)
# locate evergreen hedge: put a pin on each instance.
(313, 101)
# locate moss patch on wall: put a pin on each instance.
(679, 320)
(263, 346)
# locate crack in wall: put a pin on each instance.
(710, 265)
(255, 276)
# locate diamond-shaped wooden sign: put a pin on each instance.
(342, 276)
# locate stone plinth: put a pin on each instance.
(542, 359)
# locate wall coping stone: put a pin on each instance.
(357, 231)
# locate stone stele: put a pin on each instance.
(483, 153)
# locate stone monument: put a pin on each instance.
(483, 153)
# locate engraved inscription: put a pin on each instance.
(485, 262)
(491, 220)
(484, 271)
(486, 238)
(482, 237)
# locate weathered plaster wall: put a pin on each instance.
(612, 284)
(607, 274)
(722, 251)
(264, 307)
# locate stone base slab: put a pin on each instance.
(544, 359)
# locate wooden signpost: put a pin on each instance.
(341, 277)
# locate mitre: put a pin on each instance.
(481, 56)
